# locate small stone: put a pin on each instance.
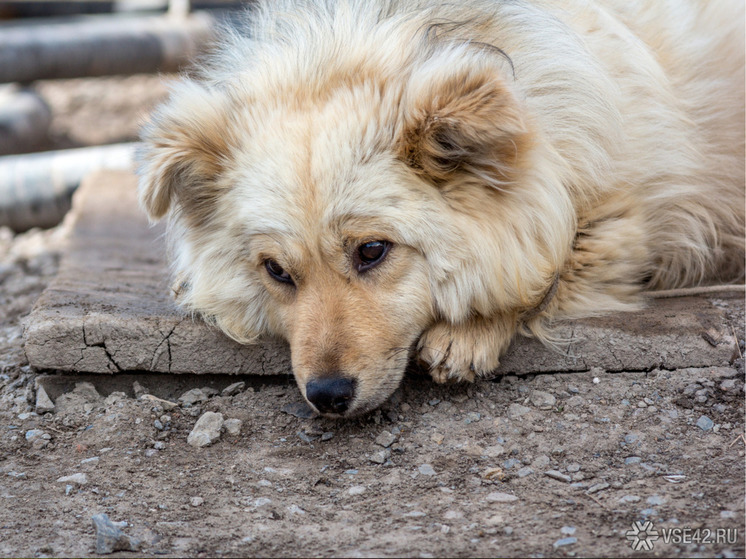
(305, 437)
(158, 424)
(262, 501)
(632, 460)
(77, 479)
(233, 426)
(380, 457)
(327, 435)
(150, 452)
(497, 497)
(159, 445)
(233, 389)
(559, 476)
(542, 400)
(574, 467)
(138, 389)
(472, 417)
(598, 487)
(193, 396)
(437, 438)
(517, 410)
(564, 541)
(295, 509)
(33, 434)
(494, 451)
(44, 403)
(110, 538)
(356, 490)
(426, 470)
(705, 423)
(541, 462)
(92, 461)
(207, 430)
(17, 475)
(196, 501)
(728, 514)
(525, 472)
(165, 404)
(385, 439)
(629, 499)
(655, 500)
(568, 530)
(725, 386)
(299, 409)
(494, 474)
(512, 463)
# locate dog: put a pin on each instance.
(380, 182)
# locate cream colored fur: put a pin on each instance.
(496, 145)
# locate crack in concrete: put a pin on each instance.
(159, 349)
(102, 344)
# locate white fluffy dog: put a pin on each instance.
(377, 180)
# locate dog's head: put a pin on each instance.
(348, 205)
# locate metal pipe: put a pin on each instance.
(36, 189)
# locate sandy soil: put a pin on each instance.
(539, 465)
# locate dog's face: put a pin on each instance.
(345, 215)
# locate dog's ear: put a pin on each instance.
(462, 118)
(184, 145)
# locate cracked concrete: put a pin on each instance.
(109, 310)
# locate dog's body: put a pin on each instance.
(369, 179)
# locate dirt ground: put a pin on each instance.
(538, 465)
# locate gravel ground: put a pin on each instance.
(538, 465)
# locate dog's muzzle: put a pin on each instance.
(331, 395)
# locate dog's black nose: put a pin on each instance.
(331, 394)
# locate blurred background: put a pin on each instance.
(77, 80)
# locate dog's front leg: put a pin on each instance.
(467, 350)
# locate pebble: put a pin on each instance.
(472, 417)
(525, 471)
(33, 434)
(196, 501)
(725, 386)
(193, 396)
(327, 435)
(233, 426)
(564, 541)
(629, 499)
(559, 476)
(92, 461)
(541, 462)
(655, 500)
(305, 437)
(158, 424)
(542, 400)
(356, 490)
(574, 467)
(295, 509)
(207, 430)
(705, 423)
(165, 404)
(727, 514)
(426, 470)
(380, 457)
(262, 501)
(437, 438)
(511, 463)
(299, 409)
(44, 403)
(233, 389)
(517, 410)
(632, 460)
(18, 475)
(497, 497)
(598, 487)
(568, 530)
(77, 479)
(159, 445)
(110, 538)
(385, 439)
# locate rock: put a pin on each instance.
(516, 410)
(165, 404)
(426, 470)
(233, 389)
(629, 499)
(34, 434)
(299, 409)
(472, 417)
(385, 439)
(542, 400)
(632, 460)
(568, 530)
(193, 396)
(497, 497)
(655, 500)
(559, 476)
(725, 386)
(327, 435)
(541, 462)
(705, 423)
(233, 426)
(598, 487)
(295, 509)
(380, 457)
(87, 391)
(574, 467)
(77, 479)
(44, 403)
(356, 490)
(196, 501)
(564, 541)
(92, 461)
(110, 538)
(207, 430)
(525, 471)
(437, 438)
(494, 451)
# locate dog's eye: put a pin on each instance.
(370, 254)
(277, 272)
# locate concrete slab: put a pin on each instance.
(109, 310)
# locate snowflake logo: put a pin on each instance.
(642, 536)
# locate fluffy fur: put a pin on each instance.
(496, 145)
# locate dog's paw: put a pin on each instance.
(462, 352)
